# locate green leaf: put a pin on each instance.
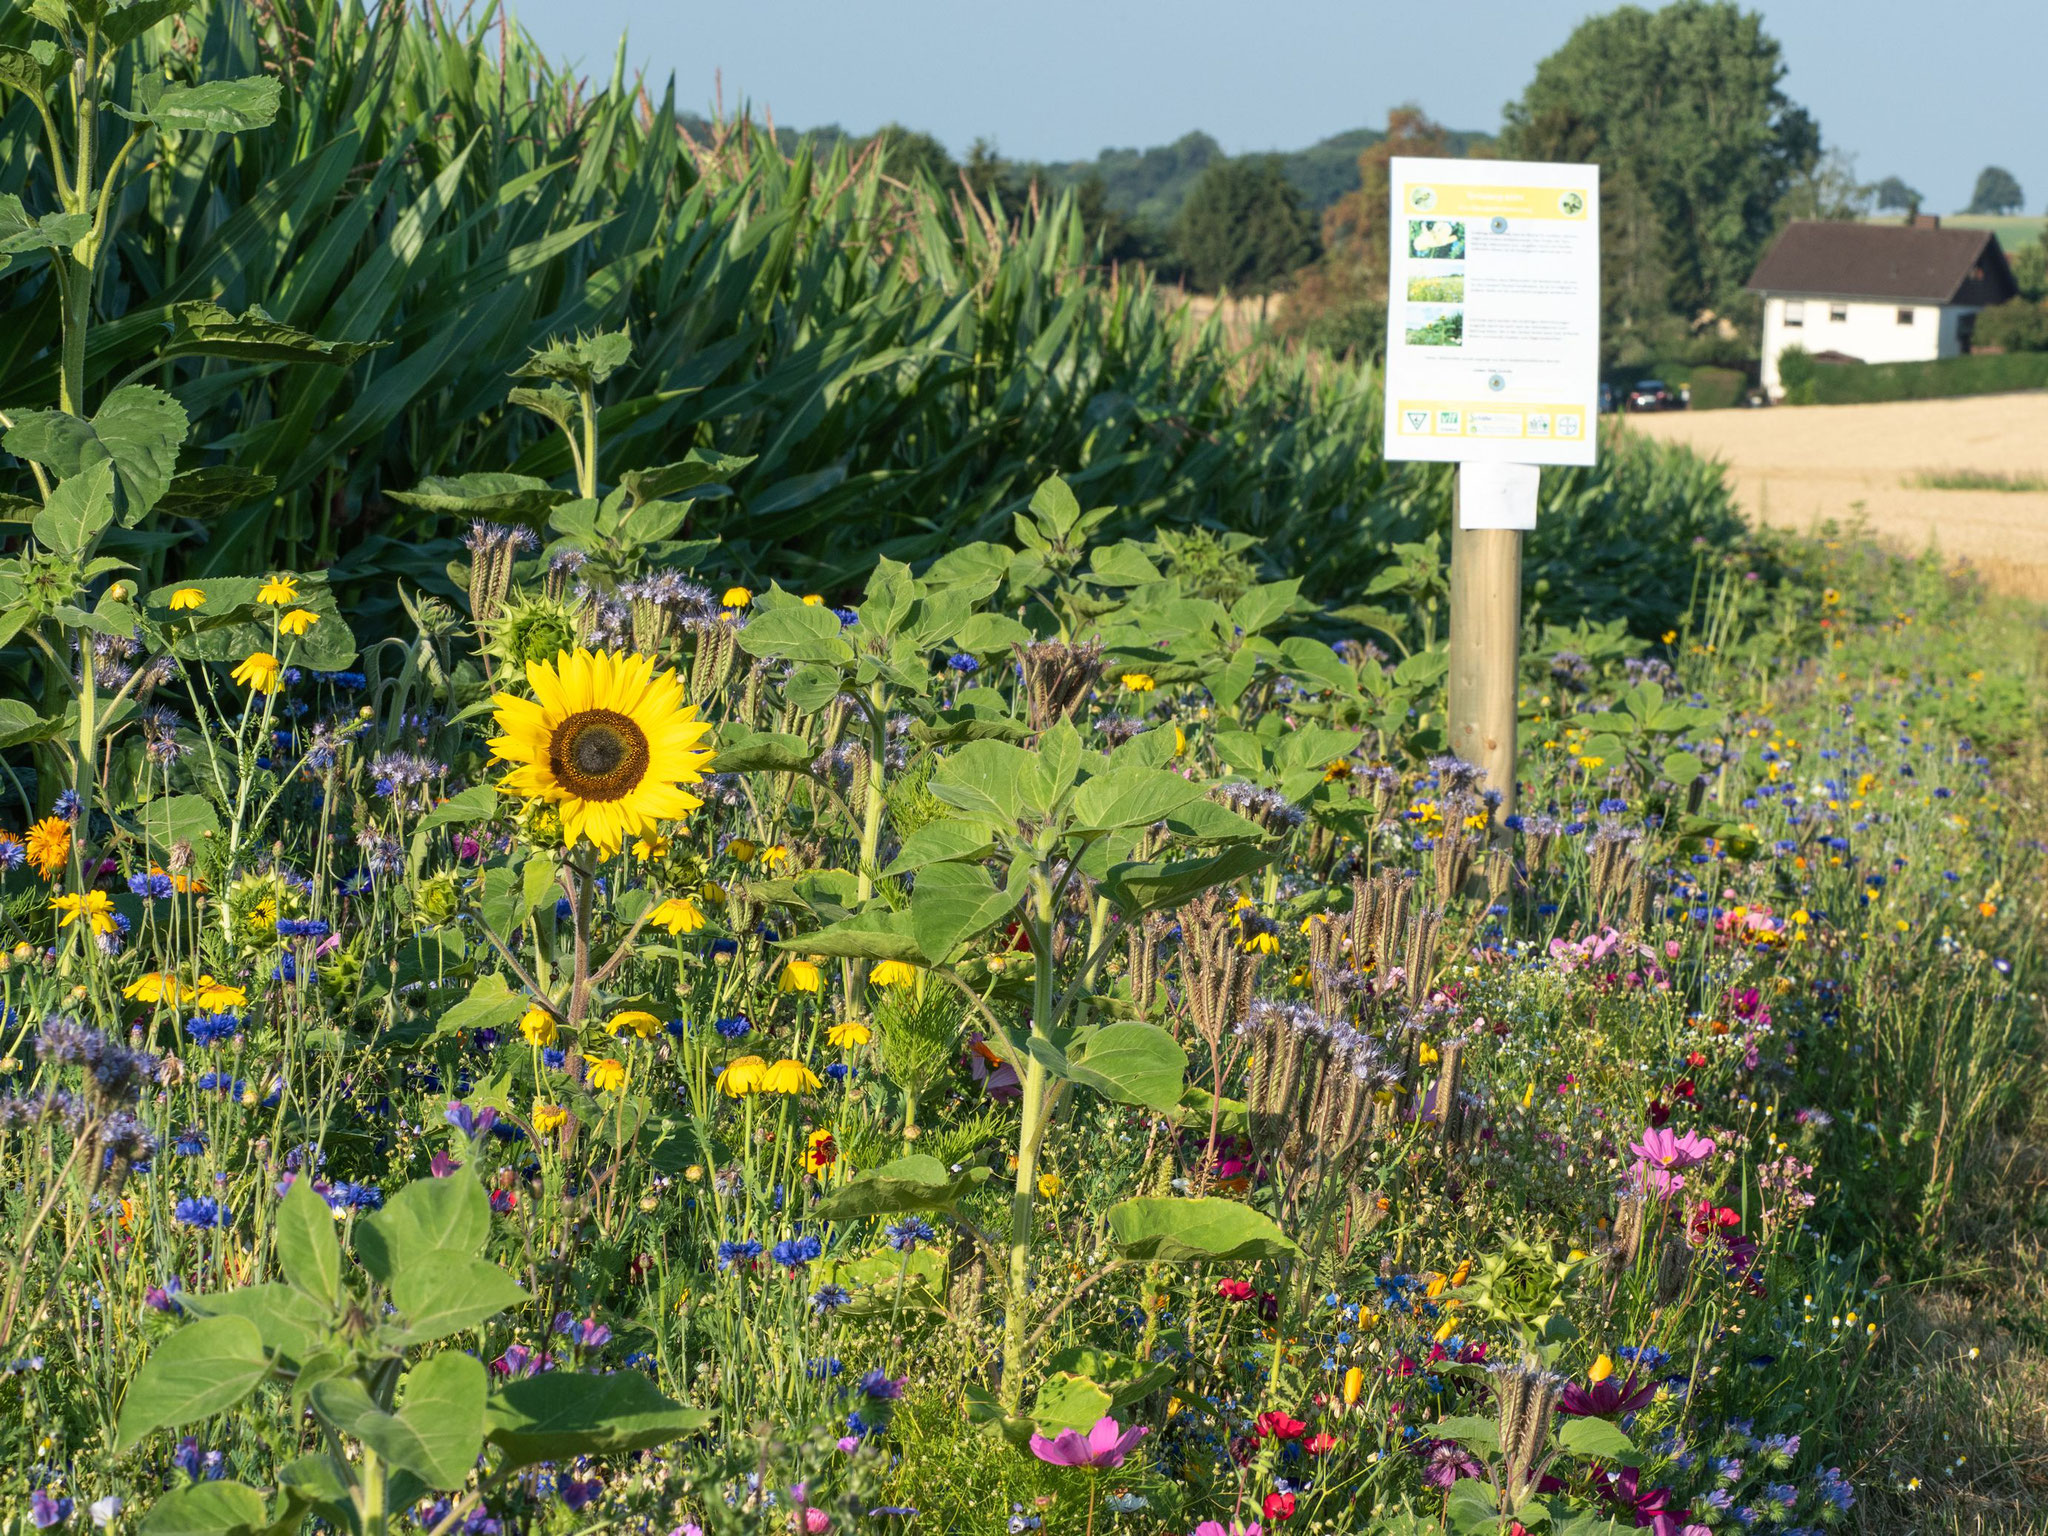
(491, 1004)
(307, 1249)
(697, 468)
(890, 592)
(1263, 605)
(1147, 887)
(174, 819)
(121, 25)
(213, 489)
(1130, 1063)
(1131, 797)
(584, 360)
(80, 509)
(32, 71)
(446, 1290)
(414, 1443)
(864, 936)
(293, 1325)
(207, 1509)
(938, 842)
(1472, 1507)
(744, 751)
(486, 494)
(203, 1368)
(1681, 768)
(953, 903)
(231, 624)
(1317, 665)
(207, 330)
(918, 1182)
(479, 803)
(985, 633)
(425, 1215)
(1068, 1401)
(1125, 1379)
(442, 1400)
(563, 1414)
(1478, 1435)
(19, 233)
(217, 106)
(138, 427)
(796, 631)
(985, 779)
(20, 724)
(1596, 1438)
(1180, 1231)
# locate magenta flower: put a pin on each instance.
(1218, 1528)
(1605, 1398)
(1660, 1148)
(1106, 1445)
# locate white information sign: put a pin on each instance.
(1493, 311)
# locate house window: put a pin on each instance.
(1905, 317)
(1795, 312)
(1838, 313)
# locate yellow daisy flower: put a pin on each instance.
(894, 973)
(788, 1076)
(279, 591)
(548, 1117)
(607, 1074)
(742, 1076)
(154, 987)
(259, 672)
(737, 597)
(538, 1026)
(635, 1022)
(187, 597)
(298, 621)
(1138, 682)
(678, 914)
(96, 907)
(213, 995)
(800, 976)
(846, 1036)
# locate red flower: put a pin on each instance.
(1235, 1290)
(1279, 1506)
(1320, 1444)
(1696, 1059)
(1279, 1426)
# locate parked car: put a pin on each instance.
(1653, 395)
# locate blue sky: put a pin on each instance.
(1929, 92)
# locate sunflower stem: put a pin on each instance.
(577, 884)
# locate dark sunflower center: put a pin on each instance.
(598, 754)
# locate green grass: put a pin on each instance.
(1975, 480)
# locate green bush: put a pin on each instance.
(1715, 389)
(1864, 383)
(2015, 326)
(1796, 368)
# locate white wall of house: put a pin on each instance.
(1862, 328)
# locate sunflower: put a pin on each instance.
(49, 845)
(606, 741)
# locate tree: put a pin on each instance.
(1244, 227)
(908, 154)
(1894, 196)
(1829, 191)
(1697, 146)
(1997, 192)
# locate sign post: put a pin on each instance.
(1493, 350)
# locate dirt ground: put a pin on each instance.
(1796, 466)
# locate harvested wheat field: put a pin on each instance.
(1886, 465)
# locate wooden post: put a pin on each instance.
(1486, 635)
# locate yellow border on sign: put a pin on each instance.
(1439, 200)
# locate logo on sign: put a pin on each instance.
(1567, 426)
(1418, 421)
(1447, 421)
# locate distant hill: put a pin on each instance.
(1148, 186)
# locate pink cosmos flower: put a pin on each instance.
(1662, 1148)
(1106, 1445)
(1218, 1528)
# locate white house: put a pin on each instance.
(1876, 293)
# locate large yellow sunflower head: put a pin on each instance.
(606, 741)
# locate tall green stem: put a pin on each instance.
(1030, 1134)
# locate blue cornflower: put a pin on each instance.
(733, 1025)
(730, 1254)
(908, 1233)
(189, 1142)
(796, 1252)
(151, 887)
(66, 805)
(847, 617)
(881, 1387)
(830, 1298)
(963, 663)
(213, 1029)
(200, 1211)
(825, 1367)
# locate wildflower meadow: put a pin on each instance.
(603, 1008)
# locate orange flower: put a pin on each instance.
(49, 846)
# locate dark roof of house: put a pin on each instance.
(1828, 258)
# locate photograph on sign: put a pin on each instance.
(1493, 311)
